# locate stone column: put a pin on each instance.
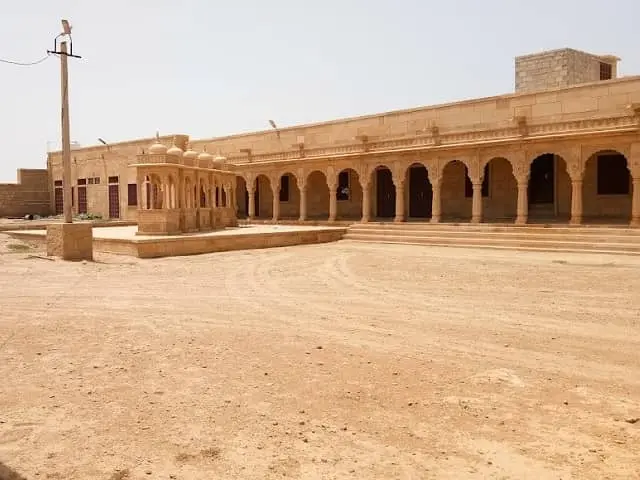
(303, 203)
(275, 188)
(333, 203)
(476, 206)
(635, 202)
(399, 202)
(251, 208)
(436, 202)
(366, 202)
(140, 189)
(576, 201)
(522, 214)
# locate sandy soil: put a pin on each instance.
(319, 362)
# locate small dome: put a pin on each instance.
(190, 154)
(157, 148)
(219, 160)
(175, 151)
(205, 157)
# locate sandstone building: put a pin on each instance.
(565, 147)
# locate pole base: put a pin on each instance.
(70, 241)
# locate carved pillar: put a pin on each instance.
(576, 198)
(251, 192)
(140, 189)
(275, 188)
(522, 212)
(635, 200)
(476, 206)
(436, 201)
(303, 202)
(399, 202)
(366, 202)
(633, 164)
(521, 169)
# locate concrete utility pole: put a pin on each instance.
(66, 134)
(71, 241)
(66, 139)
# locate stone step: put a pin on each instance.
(512, 234)
(500, 228)
(462, 240)
(490, 246)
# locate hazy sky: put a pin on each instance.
(210, 67)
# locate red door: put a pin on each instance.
(82, 199)
(114, 201)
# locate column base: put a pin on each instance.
(70, 241)
(635, 222)
(575, 221)
(436, 219)
(476, 219)
(521, 221)
(398, 219)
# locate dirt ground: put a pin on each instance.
(331, 361)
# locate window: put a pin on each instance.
(111, 180)
(132, 195)
(96, 180)
(82, 181)
(284, 188)
(606, 72)
(57, 183)
(343, 192)
(91, 181)
(613, 176)
(468, 186)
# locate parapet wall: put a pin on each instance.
(29, 195)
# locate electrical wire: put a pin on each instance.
(27, 64)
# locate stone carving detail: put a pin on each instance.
(521, 167)
(331, 176)
(633, 160)
(302, 179)
(399, 170)
(434, 170)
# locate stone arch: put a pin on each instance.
(243, 197)
(383, 191)
(202, 194)
(418, 191)
(607, 188)
(549, 187)
(349, 194)
(500, 189)
(455, 198)
(317, 195)
(289, 195)
(188, 199)
(263, 197)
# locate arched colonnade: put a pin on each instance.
(571, 184)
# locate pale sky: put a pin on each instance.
(209, 67)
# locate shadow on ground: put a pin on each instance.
(7, 473)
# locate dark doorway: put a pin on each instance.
(386, 194)
(420, 193)
(542, 180)
(59, 201)
(114, 201)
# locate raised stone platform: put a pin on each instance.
(123, 240)
(70, 241)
